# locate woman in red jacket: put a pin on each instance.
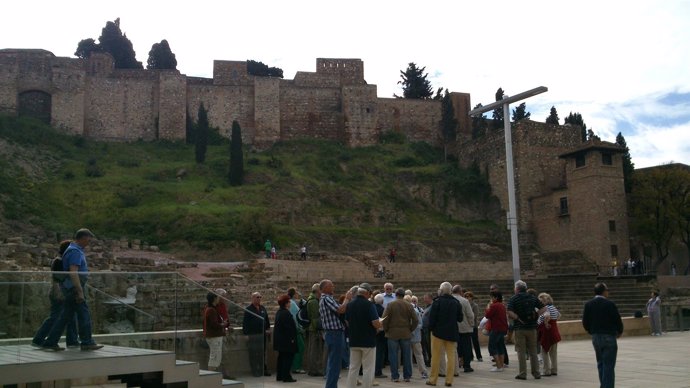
(497, 315)
(214, 330)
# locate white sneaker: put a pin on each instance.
(496, 369)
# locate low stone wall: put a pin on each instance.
(573, 330)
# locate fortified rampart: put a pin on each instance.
(90, 97)
(570, 195)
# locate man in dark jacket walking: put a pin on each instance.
(444, 316)
(603, 322)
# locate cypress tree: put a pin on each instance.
(201, 140)
(415, 83)
(449, 124)
(498, 112)
(576, 119)
(628, 165)
(553, 116)
(521, 113)
(236, 175)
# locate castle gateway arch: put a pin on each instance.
(36, 104)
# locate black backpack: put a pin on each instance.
(303, 316)
(58, 270)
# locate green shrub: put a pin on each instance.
(79, 141)
(274, 162)
(93, 170)
(392, 137)
(128, 163)
(130, 196)
(426, 153)
(406, 161)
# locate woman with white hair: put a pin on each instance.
(549, 336)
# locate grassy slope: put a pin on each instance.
(314, 191)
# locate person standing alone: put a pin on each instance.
(654, 312)
(603, 322)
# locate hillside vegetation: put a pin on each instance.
(331, 197)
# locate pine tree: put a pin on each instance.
(86, 47)
(201, 141)
(449, 124)
(498, 112)
(161, 57)
(576, 119)
(520, 113)
(628, 165)
(236, 174)
(113, 41)
(415, 83)
(260, 69)
(553, 117)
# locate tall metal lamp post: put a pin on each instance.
(512, 216)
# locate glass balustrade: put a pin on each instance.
(147, 310)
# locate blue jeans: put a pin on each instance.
(55, 310)
(70, 308)
(335, 342)
(606, 349)
(404, 346)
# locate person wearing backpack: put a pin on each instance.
(524, 309)
(74, 261)
(56, 304)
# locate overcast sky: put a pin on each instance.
(625, 65)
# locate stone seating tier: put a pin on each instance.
(569, 292)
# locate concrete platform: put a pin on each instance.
(644, 361)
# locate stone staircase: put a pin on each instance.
(112, 366)
(569, 291)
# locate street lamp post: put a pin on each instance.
(512, 216)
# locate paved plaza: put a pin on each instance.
(658, 362)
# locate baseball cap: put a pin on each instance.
(83, 233)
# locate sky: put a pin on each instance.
(624, 65)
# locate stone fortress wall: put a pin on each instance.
(90, 97)
(594, 220)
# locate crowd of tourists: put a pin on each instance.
(364, 329)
